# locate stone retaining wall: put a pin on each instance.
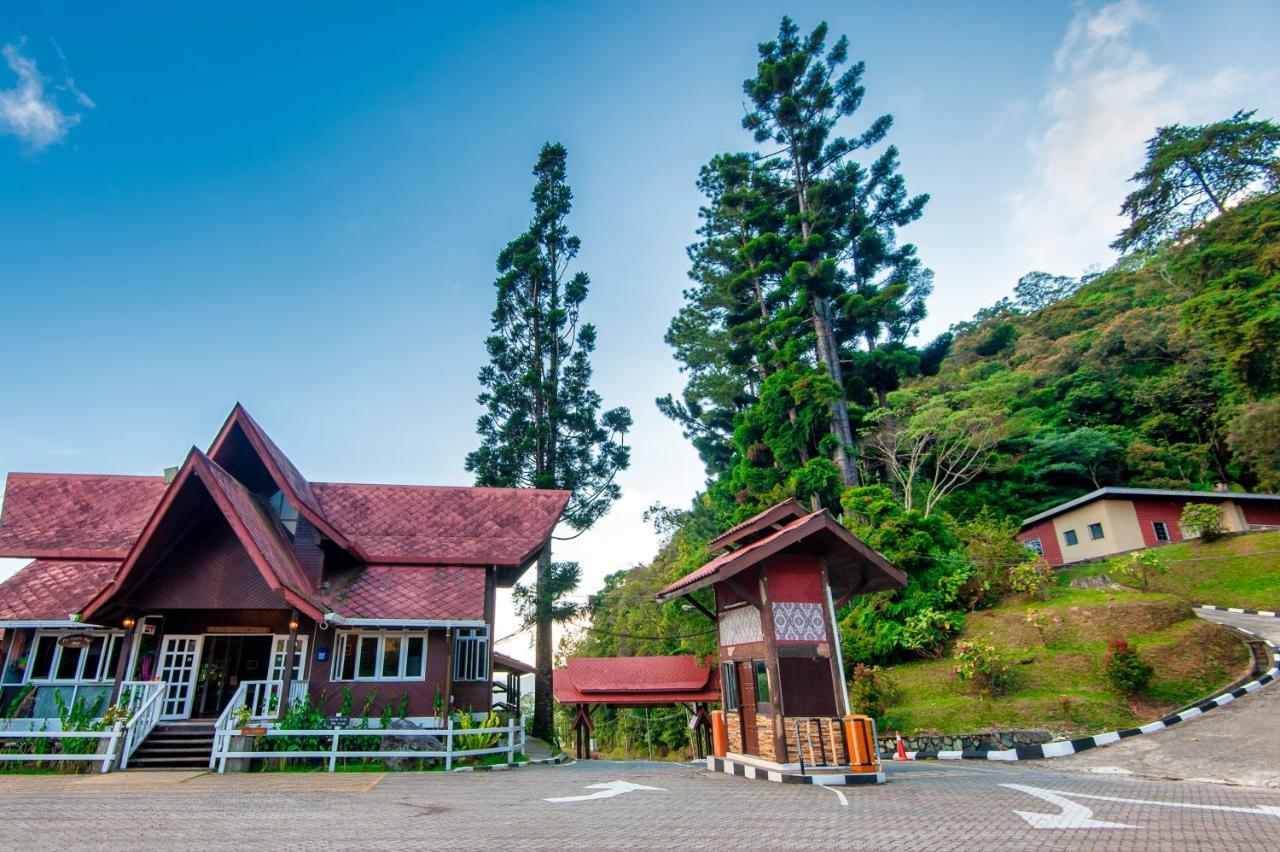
(966, 742)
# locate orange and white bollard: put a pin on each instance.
(902, 750)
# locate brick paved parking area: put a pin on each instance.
(924, 806)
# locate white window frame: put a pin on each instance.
(1156, 526)
(1035, 545)
(345, 636)
(476, 658)
(279, 645)
(102, 675)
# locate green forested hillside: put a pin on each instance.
(1161, 372)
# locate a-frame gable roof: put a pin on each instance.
(257, 531)
(282, 471)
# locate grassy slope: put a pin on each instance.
(1061, 686)
(1241, 571)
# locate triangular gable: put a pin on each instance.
(257, 532)
(282, 471)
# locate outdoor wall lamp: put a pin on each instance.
(128, 623)
(293, 625)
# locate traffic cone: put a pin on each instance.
(902, 750)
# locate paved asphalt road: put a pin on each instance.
(924, 806)
(1234, 744)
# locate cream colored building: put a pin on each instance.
(1117, 520)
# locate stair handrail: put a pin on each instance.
(143, 719)
(223, 727)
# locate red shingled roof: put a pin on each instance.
(51, 590)
(447, 593)
(449, 526)
(282, 471)
(634, 680)
(76, 516)
(853, 567)
(248, 520)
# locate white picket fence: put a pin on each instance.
(106, 758)
(512, 732)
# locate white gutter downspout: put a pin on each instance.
(344, 621)
(835, 641)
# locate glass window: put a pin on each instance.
(346, 658)
(1095, 531)
(16, 659)
(93, 659)
(1035, 546)
(286, 512)
(471, 654)
(1161, 530)
(729, 682)
(415, 657)
(68, 665)
(42, 659)
(762, 682)
(380, 656)
(1070, 537)
(390, 657)
(368, 662)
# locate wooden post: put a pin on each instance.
(834, 656)
(771, 664)
(122, 666)
(448, 671)
(286, 677)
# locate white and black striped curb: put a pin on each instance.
(498, 768)
(1237, 610)
(826, 779)
(1069, 747)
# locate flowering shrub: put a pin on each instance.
(1046, 625)
(1140, 566)
(1126, 671)
(872, 692)
(1202, 519)
(1032, 578)
(978, 662)
(928, 630)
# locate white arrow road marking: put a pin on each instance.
(843, 800)
(1071, 810)
(607, 790)
(1072, 816)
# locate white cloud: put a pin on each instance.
(1106, 98)
(30, 109)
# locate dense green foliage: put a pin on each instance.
(801, 381)
(1161, 372)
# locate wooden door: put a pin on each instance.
(747, 707)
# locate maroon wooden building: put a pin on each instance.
(777, 585)
(238, 569)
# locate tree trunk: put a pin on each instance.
(543, 711)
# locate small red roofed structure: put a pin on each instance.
(585, 682)
(776, 587)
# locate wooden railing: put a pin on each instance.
(261, 698)
(144, 700)
(105, 757)
(512, 732)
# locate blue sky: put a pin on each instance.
(300, 208)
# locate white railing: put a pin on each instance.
(105, 757)
(512, 732)
(261, 697)
(144, 700)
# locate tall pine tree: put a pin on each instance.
(542, 426)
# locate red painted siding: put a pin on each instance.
(209, 569)
(1048, 541)
(1263, 516)
(468, 695)
(795, 578)
(1150, 511)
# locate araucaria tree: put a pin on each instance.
(542, 426)
(1193, 173)
(804, 299)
